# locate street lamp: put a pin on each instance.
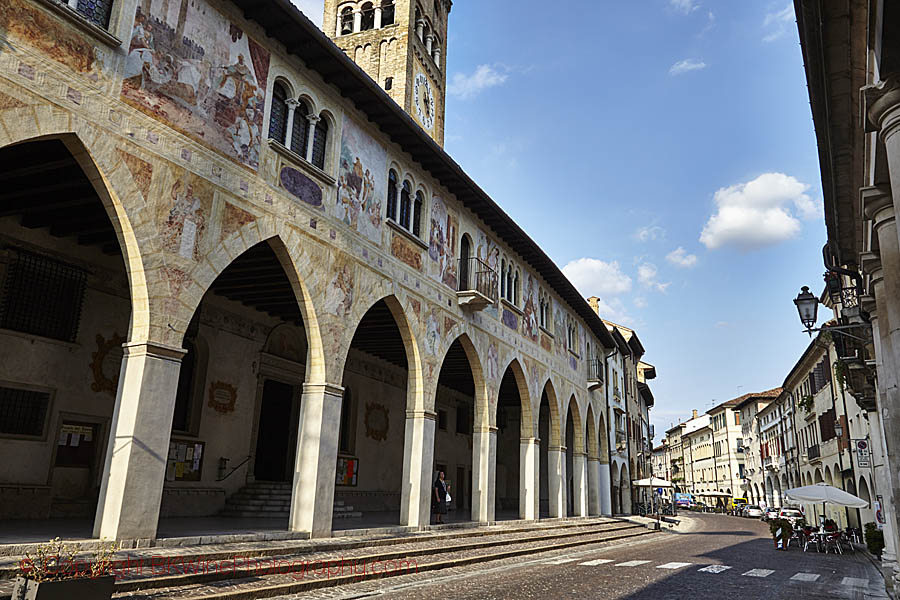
(838, 430)
(808, 307)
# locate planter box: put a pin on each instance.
(87, 588)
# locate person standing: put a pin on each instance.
(439, 497)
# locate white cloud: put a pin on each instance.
(686, 66)
(647, 273)
(649, 233)
(640, 302)
(721, 324)
(468, 86)
(680, 258)
(684, 6)
(757, 213)
(594, 277)
(777, 23)
(313, 9)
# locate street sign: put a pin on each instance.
(863, 454)
(659, 491)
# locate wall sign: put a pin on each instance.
(185, 460)
(106, 362)
(376, 421)
(347, 470)
(222, 397)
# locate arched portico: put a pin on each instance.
(516, 465)
(552, 501)
(576, 461)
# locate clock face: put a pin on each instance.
(423, 98)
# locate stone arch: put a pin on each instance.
(482, 401)
(863, 490)
(577, 426)
(555, 429)
(528, 429)
(112, 184)
(592, 445)
(828, 478)
(817, 477)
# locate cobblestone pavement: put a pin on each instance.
(719, 557)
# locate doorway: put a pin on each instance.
(274, 447)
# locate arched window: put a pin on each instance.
(368, 16)
(300, 129)
(464, 251)
(392, 196)
(405, 202)
(516, 288)
(278, 114)
(320, 142)
(509, 282)
(417, 215)
(181, 418)
(503, 278)
(346, 21)
(387, 12)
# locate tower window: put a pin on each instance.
(278, 114)
(405, 202)
(387, 13)
(368, 17)
(346, 21)
(320, 143)
(388, 83)
(417, 214)
(392, 196)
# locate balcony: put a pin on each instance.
(812, 453)
(477, 284)
(595, 373)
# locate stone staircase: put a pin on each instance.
(270, 499)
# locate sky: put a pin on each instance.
(662, 153)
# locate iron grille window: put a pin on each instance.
(42, 296)
(23, 412)
(320, 137)
(96, 11)
(278, 114)
(300, 132)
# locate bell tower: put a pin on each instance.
(401, 44)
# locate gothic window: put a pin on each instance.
(278, 114)
(387, 13)
(465, 246)
(516, 288)
(320, 142)
(392, 196)
(300, 129)
(388, 83)
(405, 202)
(346, 21)
(417, 215)
(368, 17)
(503, 278)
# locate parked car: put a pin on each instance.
(769, 513)
(752, 511)
(791, 514)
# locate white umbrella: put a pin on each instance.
(822, 492)
(715, 494)
(652, 482)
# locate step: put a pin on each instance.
(348, 515)
(257, 580)
(251, 514)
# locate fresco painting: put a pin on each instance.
(489, 252)
(300, 186)
(31, 24)
(442, 242)
(432, 333)
(510, 319)
(233, 219)
(530, 318)
(361, 181)
(184, 222)
(194, 70)
(406, 251)
(339, 293)
(141, 171)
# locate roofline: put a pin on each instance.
(301, 37)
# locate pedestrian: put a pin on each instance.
(440, 495)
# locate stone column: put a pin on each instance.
(420, 30)
(357, 21)
(579, 484)
(529, 477)
(378, 26)
(484, 470)
(437, 56)
(593, 487)
(312, 498)
(556, 477)
(313, 120)
(605, 486)
(138, 448)
(418, 460)
(292, 105)
(429, 40)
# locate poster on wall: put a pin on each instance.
(347, 470)
(197, 72)
(185, 460)
(362, 181)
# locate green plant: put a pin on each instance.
(806, 403)
(840, 372)
(57, 560)
(874, 539)
(782, 528)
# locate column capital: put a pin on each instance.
(485, 429)
(292, 103)
(530, 440)
(870, 263)
(877, 203)
(154, 349)
(332, 389)
(313, 119)
(878, 101)
(421, 414)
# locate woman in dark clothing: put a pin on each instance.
(439, 497)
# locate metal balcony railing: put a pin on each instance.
(595, 370)
(476, 275)
(813, 452)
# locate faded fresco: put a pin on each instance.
(194, 70)
(141, 171)
(184, 220)
(406, 251)
(339, 293)
(442, 242)
(233, 219)
(530, 318)
(361, 181)
(28, 22)
(432, 333)
(559, 322)
(489, 252)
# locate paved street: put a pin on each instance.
(718, 555)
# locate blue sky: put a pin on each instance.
(662, 152)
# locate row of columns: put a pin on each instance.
(880, 204)
(134, 471)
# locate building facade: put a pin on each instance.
(254, 266)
